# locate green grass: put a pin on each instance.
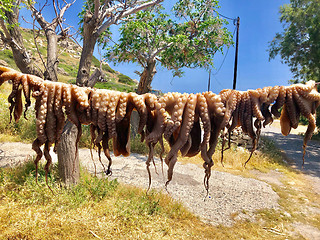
(69, 68)
(95, 206)
(115, 86)
(24, 130)
(99, 207)
(7, 56)
(125, 79)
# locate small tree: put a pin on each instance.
(10, 33)
(50, 31)
(98, 15)
(299, 43)
(151, 37)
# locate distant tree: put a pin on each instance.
(50, 31)
(98, 16)
(299, 43)
(150, 37)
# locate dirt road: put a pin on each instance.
(291, 146)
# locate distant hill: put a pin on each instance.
(69, 57)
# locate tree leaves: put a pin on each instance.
(189, 40)
(299, 43)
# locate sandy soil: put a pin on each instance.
(231, 197)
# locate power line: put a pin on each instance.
(233, 19)
(225, 56)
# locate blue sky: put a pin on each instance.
(259, 22)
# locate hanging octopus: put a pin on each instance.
(190, 123)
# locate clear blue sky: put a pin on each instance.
(259, 21)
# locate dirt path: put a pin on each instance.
(231, 197)
(291, 146)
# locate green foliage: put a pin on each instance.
(151, 35)
(86, 14)
(6, 5)
(7, 56)
(23, 130)
(115, 86)
(299, 43)
(141, 148)
(125, 79)
(70, 69)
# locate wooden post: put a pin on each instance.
(236, 57)
(209, 80)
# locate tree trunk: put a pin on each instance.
(15, 40)
(67, 147)
(68, 159)
(143, 87)
(51, 72)
(147, 77)
(89, 42)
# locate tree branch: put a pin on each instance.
(94, 77)
(38, 16)
(123, 14)
(4, 28)
(156, 52)
(96, 9)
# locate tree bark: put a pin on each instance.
(89, 42)
(66, 152)
(147, 77)
(93, 26)
(68, 163)
(51, 72)
(15, 41)
(143, 87)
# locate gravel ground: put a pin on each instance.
(231, 197)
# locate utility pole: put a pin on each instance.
(236, 57)
(209, 80)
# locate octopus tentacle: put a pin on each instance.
(285, 121)
(36, 147)
(111, 113)
(15, 103)
(266, 114)
(26, 91)
(175, 103)
(291, 108)
(308, 134)
(58, 112)
(187, 123)
(18, 108)
(160, 120)
(41, 116)
(279, 101)
(202, 109)
(51, 121)
(256, 104)
(49, 162)
(140, 103)
(106, 151)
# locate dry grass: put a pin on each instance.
(98, 208)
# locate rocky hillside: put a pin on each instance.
(69, 57)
